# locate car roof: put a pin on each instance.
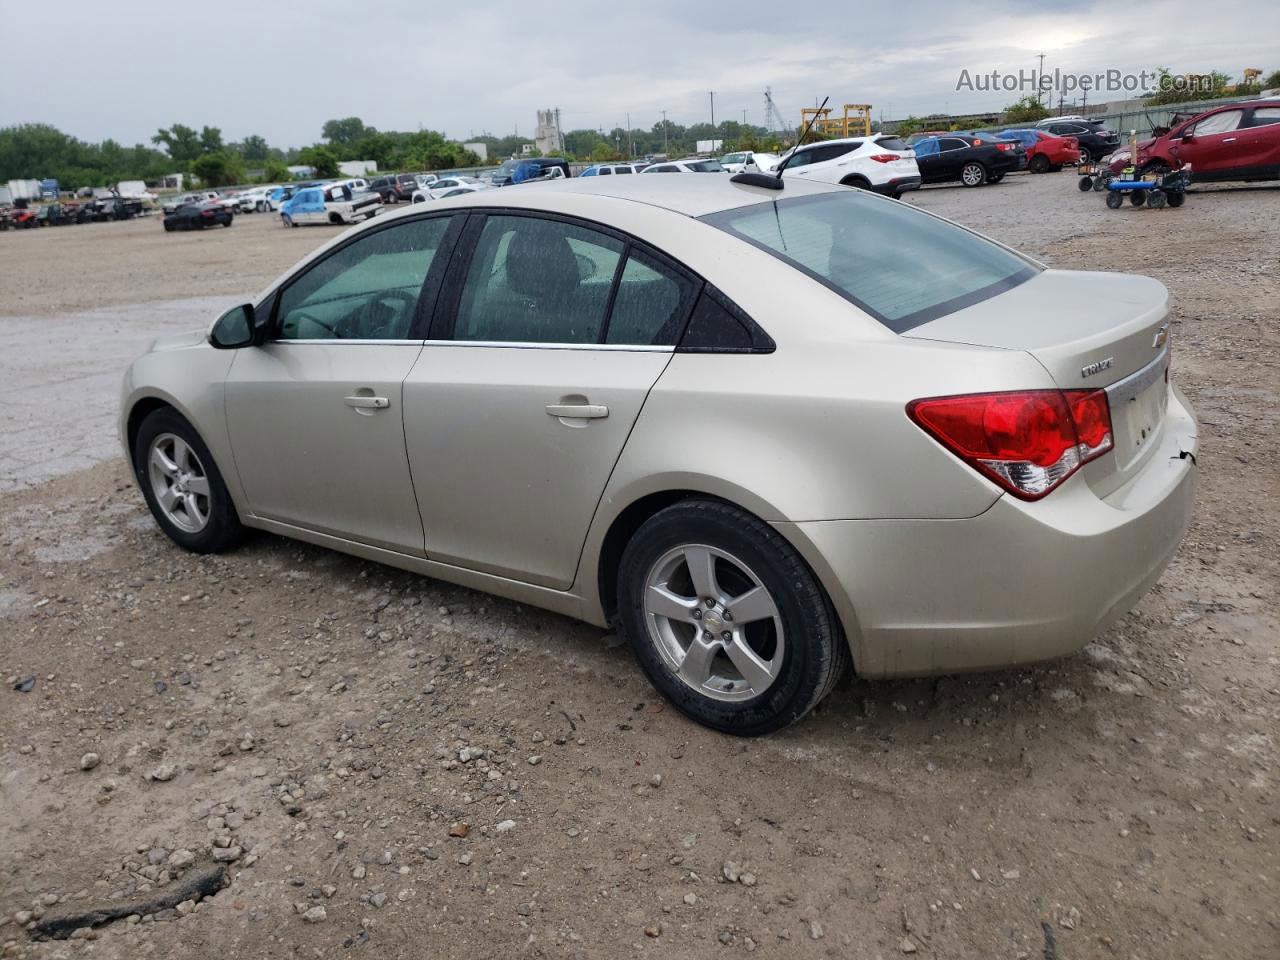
(692, 196)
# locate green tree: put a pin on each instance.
(181, 143)
(220, 169)
(323, 160)
(345, 132)
(276, 172)
(1186, 88)
(255, 150)
(1026, 110)
(1271, 81)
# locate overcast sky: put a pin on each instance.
(124, 68)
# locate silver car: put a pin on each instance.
(764, 432)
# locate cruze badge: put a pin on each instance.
(1161, 337)
(1088, 370)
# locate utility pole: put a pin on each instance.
(664, 131)
(631, 143)
(1039, 85)
(713, 113)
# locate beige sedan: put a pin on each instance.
(763, 428)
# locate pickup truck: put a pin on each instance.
(333, 203)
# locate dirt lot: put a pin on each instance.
(387, 766)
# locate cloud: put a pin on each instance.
(282, 70)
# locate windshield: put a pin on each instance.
(735, 158)
(900, 265)
(509, 166)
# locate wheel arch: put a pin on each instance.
(624, 524)
(856, 180)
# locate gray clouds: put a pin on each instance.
(124, 69)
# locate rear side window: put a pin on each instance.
(605, 171)
(1265, 116)
(900, 265)
(892, 143)
(537, 281)
(650, 305)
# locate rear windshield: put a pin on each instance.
(900, 265)
(706, 166)
(892, 143)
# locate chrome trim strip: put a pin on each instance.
(517, 345)
(342, 341)
(1133, 385)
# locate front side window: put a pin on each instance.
(1222, 122)
(537, 281)
(589, 172)
(605, 171)
(368, 290)
(900, 265)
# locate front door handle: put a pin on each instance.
(367, 403)
(1228, 139)
(577, 411)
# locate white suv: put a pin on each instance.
(881, 162)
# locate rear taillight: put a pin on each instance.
(885, 157)
(1028, 442)
(207, 213)
(1005, 146)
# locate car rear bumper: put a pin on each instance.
(1020, 583)
(897, 185)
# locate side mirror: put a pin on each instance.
(1188, 138)
(234, 329)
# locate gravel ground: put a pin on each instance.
(383, 765)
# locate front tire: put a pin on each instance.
(182, 484)
(973, 175)
(727, 620)
(1039, 164)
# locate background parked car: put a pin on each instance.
(169, 206)
(972, 159)
(1045, 152)
(882, 163)
(1094, 139)
(395, 187)
(1237, 141)
(609, 169)
(693, 165)
(197, 216)
(520, 169)
(738, 161)
(117, 208)
(440, 186)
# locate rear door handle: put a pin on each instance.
(577, 411)
(367, 403)
(1228, 139)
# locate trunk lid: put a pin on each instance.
(1089, 331)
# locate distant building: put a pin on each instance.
(548, 138)
(357, 168)
(301, 172)
(481, 150)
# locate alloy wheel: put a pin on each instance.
(972, 174)
(713, 622)
(179, 482)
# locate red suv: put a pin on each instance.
(1237, 141)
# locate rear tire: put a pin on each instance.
(1157, 200)
(221, 527)
(973, 175)
(1115, 199)
(1039, 164)
(1084, 184)
(792, 622)
(1176, 198)
(1138, 198)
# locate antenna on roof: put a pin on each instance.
(774, 181)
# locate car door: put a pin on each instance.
(315, 413)
(1261, 142)
(1212, 146)
(946, 163)
(520, 404)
